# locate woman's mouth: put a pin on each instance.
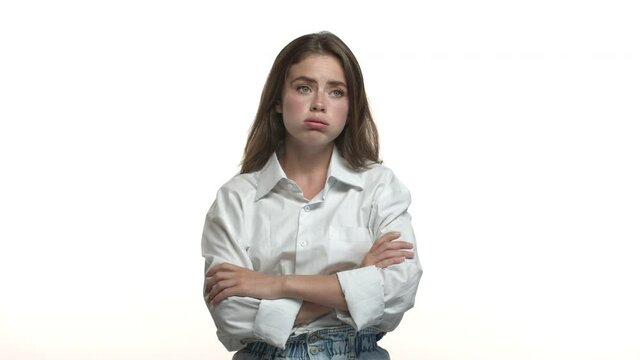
(314, 123)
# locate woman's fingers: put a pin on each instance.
(390, 251)
(208, 284)
(397, 245)
(394, 249)
(214, 275)
(394, 254)
(387, 247)
(389, 241)
(385, 238)
(390, 261)
(218, 278)
(401, 253)
(221, 272)
(218, 288)
(220, 295)
(396, 257)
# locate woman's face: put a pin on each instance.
(315, 102)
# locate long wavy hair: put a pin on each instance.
(358, 141)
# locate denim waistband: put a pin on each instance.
(331, 341)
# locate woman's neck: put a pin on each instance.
(306, 166)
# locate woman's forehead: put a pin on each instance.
(317, 67)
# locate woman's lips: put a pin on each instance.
(315, 124)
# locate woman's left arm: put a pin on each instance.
(379, 297)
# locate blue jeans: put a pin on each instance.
(327, 344)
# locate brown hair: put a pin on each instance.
(357, 143)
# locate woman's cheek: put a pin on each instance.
(342, 111)
(294, 107)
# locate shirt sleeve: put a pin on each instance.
(240, 320)
(380, 297)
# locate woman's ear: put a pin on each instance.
(278, 107)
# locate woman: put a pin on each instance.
(292, 270)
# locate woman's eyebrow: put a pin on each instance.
(310, 80)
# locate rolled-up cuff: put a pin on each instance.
(274, 320)
(363, 290)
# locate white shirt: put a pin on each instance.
(261, 221)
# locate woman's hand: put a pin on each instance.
(385, 251)
(224, 280)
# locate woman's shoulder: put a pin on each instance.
(377, 172)
(240, 184)
(235, 194)
(378, 177)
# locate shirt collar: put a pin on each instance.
(340, 170)
(269, 176)
(272, 173)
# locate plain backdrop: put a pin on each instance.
(514, 124)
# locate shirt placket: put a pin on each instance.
(304, 255)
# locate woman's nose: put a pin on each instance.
(318, 105)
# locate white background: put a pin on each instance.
(514, 124)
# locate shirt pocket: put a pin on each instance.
(347, 247)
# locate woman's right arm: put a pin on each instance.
(241, 319)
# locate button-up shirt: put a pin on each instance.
(262, 221)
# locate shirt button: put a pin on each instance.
(307, 208)
(303, 243)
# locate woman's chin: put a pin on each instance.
(312, 140)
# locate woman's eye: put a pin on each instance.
(337, 93)
(303, 89)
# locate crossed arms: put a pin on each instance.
(321, 293)
(247, 305)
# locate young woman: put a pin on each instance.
(309, 251)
